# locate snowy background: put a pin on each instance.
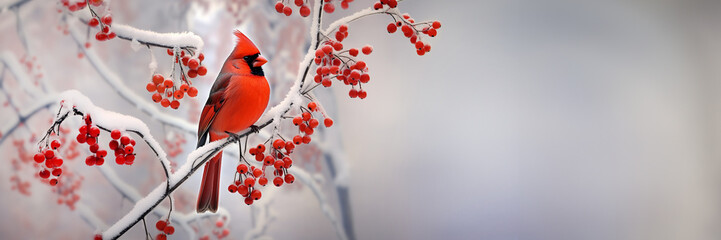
(529, 119)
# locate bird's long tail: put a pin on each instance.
(210, 185)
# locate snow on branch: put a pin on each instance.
(183, 40)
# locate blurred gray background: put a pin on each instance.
(529, 119)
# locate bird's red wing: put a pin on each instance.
(212, 106)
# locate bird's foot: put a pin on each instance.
(234, 136)
(240, 145)
(254, 129)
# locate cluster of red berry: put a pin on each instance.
(89, 134)
(79, 4)
(381, 3)
(304, 9)
(104, 22)
(334, 63)
(195, 64)
(165, 228)
(167, 93)
(411, 30)
(52, 161)
(123, 146)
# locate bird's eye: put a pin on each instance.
(246, 57)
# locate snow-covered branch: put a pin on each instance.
(126, 93)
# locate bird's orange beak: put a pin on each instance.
(259, 61)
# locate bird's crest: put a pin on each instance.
(244, 46)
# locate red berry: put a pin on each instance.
(367, 49)
(125, 140)
(279, 7)
(278, 181)
(98, 237)
(306, 139)
(343, 28)
(113, 145)
(297, 139)
(306, 116)
(94, 148)
(160, 225)
(175, 104)
(49, 154)
(160, 88)
(377, 5)
(168, 83)
(249, 200)
(55, 144)
(157, 97)
(353, 93)
(93, 22)
(353, 52)
(165, 102)
(299, 2)
(312, 106)
(287, 162)
(391, 28)
(128, 149)
(57, 172)
(249, 181)
(261, 148)
(232, 188)
(44, 174)
(362, 94)
(243, 190)
(91, 140)
(150, 87)
(257, 172)
(242, 168)
(432, 32)
(329, 7)
(287, 10)
(313, 123)
(297, 120)
(53, 182)
(107, 19)
(278, 164)
(169, 230)
(94, 131)
(268, 160)
(39, 157)
(184, 59)
(161, 236)
(115, 134)
(120, 159)
(289, 178)
(436, 24)
(304, 11)
(262, 181)
(192, 92)
(278, 144)
(193, 64)
(192, 73)
(81, 138)
(101, 36)
(158, 79)
(202, 70)
(255, 194)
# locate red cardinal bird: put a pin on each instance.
(237, 99)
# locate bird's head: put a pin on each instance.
(246, 51)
